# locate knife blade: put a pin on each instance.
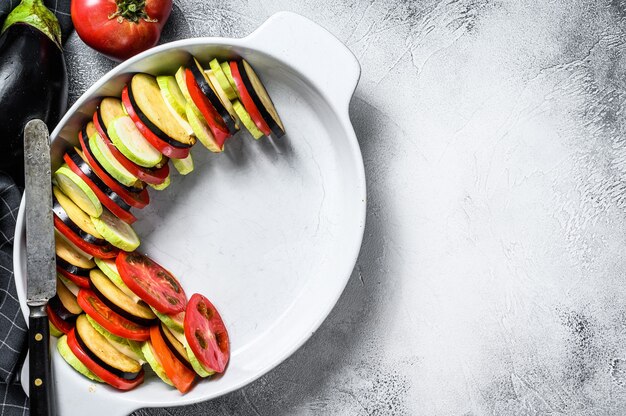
(40, 263)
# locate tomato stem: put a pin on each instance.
(131, 10)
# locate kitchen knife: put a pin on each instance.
(40, 264)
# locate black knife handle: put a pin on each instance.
(41, 384)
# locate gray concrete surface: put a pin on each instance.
(491, 278)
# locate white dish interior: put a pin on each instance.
(268, 231)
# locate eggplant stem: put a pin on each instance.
(37, 15)
(131, 10)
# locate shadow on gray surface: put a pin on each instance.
(340, 340)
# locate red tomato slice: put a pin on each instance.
(118, 211)
(181, 376)
(61, 325)
(151, 282)
(110, 320)
(80, 281)
(106, 376)
(162, 146)
(106, 251)
(247, 101)
(206, 334)
(213, 119)
(154, 176)
(134, 199)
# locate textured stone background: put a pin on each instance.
(490, 280)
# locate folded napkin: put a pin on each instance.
(13, 341)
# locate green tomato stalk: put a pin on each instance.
(131, 10)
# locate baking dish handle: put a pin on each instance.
(313, 51)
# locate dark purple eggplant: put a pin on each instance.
(33, 79)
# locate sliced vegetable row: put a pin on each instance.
(127, 145)
(132, 312)
(116, 310)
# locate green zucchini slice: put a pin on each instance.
(69, 357)
(221, 78)
(103, 154)
(116, 231)
(154, 362)
(246, 120)
(78, 191)
(128, 140)
(183, 166)
(150, 102)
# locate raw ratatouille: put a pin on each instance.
(116, 309)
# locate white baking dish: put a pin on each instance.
(269, 231)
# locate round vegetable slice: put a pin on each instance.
(163, 185)
(247, 100)
(127, 347)
(221, 78)
(106, 376)
(174, 100)
(102, 154)
(137, 198)
(105, 251)
(214, 120)
(62, 215)
(168, 148)
(175, 345)
(226, 68)
(71, 254)
(79, 220)
(175, 322)
(153, 361)
(61, 311)
(202, 129)
(124, 134)
(69, 284)
(54, 331)
(261, 98)
(107, 197)
(181, 376)
(67, 298)
(103, 353)
(151, 282)
(78, 191)
(246, 120)
(109, 268)
(69, 357)
(206, 334)
(148, 103)
(60, 324)
(217, 88)
(205, 86)
(111, 321)
(108, 110)
(183, 166)
(116, 231)
(154, 175)
(80, 281)
(119, 302)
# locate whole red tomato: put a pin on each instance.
(120, 28)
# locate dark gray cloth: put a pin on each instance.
(61, 9)
(13, 341)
